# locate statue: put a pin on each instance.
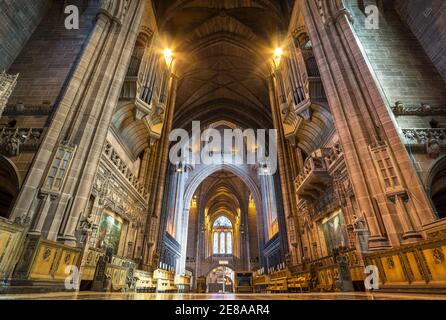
(360, 228)
(399, 107)
(425, 108)
(358, 223)
(86, 225)
(433, 148)
(12, 146)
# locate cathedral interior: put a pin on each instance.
(92, 203)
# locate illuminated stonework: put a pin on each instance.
(354, 202)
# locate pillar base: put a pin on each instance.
(411, 237)
(378, 243)
(68, 240)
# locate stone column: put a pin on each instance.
(365, 127)
(160, 180)
(288, 192)
(84, 114)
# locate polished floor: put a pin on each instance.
(158, 296)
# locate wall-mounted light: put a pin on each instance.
(168, 56)
(278, 53)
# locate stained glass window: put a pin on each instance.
(229, 243)
(222, 236)
(222, 222)
(215, 250)
(222, 243)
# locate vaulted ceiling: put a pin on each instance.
(223, 49)
(223, 193)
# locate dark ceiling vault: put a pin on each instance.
(222, 50)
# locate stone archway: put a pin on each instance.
(252, 234)
(437, 187)
(205, 171)
(220, 279)
(9, 187)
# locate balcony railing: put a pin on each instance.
(122, 167)
(311, 182)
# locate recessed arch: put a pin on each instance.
(206, 171)
(437, 186)
(9, 186)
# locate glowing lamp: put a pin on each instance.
(168, 56)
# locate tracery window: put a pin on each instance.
(216, 243)
(222, 236)
(59, 167)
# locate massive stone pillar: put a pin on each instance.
(287, 187)
(67, 161)
(389, 193)
(152, 235)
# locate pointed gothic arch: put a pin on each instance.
(9, 187)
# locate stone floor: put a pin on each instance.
(304, 296)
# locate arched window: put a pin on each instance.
(222, 236)
(216, 240)
(222, 243)
(229, 243)
(222, 222)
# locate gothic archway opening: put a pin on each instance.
(221, 280)
(224, 227)
(9, 188)
(438, 188)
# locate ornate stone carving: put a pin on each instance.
(390, 262)
(438, 256)
(46, 254)
(425, 137)
(21, 109)
(15, 140)
(423, 109)
(7, 85)
(114, 9)
(433, 148)
(399, 107)
(110, 154)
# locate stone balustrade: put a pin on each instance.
(313, 165)
(22, 109)
(422, 110)
(122, 167)
(314, 177)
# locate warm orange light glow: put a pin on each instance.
(168, 55)
(278, 56)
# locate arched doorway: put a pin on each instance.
(221, 280)
(438, 187)
(9, 186)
